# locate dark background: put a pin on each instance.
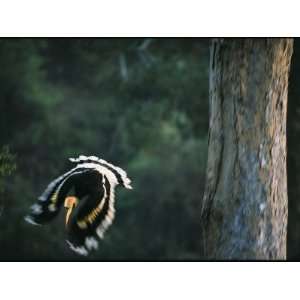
(141, 104)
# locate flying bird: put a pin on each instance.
(87, 192)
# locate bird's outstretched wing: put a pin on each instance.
(51, 200)
(107, 168)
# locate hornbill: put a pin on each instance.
(87, 192)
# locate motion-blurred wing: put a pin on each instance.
(118, 173)
(49, 203)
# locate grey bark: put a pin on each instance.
(245, 202)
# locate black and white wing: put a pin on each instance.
(51, 200)
(114, 173)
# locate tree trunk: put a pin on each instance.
(245, 201)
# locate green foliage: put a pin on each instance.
(7, 165)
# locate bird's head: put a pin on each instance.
(70, 203)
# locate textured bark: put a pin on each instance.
(245, 201)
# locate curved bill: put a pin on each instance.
(70, 203)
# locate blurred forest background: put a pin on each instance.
(139, 103)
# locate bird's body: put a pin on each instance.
(87, 192)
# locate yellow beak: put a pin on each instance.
(70, 203)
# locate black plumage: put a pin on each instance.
(88, 189)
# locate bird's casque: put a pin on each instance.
(88, 188)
